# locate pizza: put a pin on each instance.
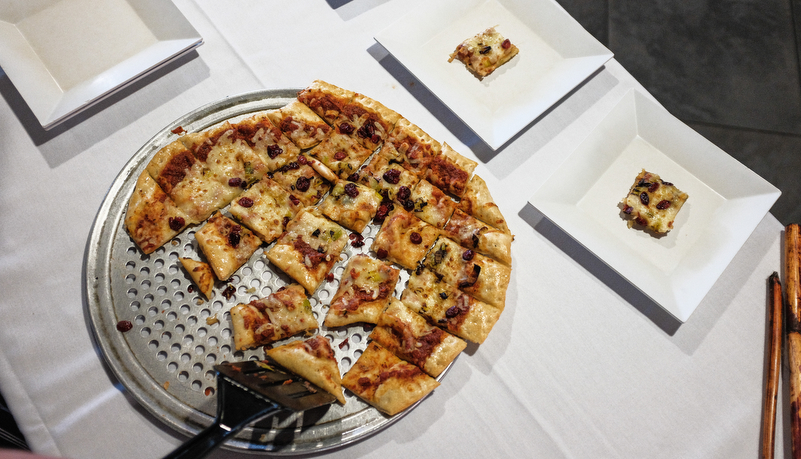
(282, 314)
(201, 275)
(226, 244)
(653, 203)
(329, 170)
(483, 53)
(444, 305)
(312, 359)
(409, 336)
(386, 382)
(309, 248)
(404, 239)
(364, 291)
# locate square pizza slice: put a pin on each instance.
(302, 181)
(477, 201)
(341, 153)
(431, 204)
(351, 205)
(325, 99)
(483, 53)
(226, 244)
(472, 233)
(187, 182)
(314, 360)
(265, 208)
(367, 120)
(282, 314)
(409, 336)
(410, 146)
(653, 203)
(404, 239)
(473, 273)
(450, 171)
(389, 179)
(446, 306)
(152, 218)
(267, 141)
(364, 291)
(298, 122)
(386, 382)
(309, 248)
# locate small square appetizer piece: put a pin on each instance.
(326, 99)
(431, 204)
(472, 233)
(411, 146)
(351, 205)
(152, 218)
(446, 306)
(298, 122)
(404, 239)
(477, 201)
(450, 171)
(302, 181)
(341, 153)
(386, 382)
(653, 203)
(309, 248)
(409, 336)
(473, 273)
(313, 360)
(485, 52)
(367, 120)
(201, 275)
(266, 140)
(364, 291)
(265, 208)
(226, 244)
(388, 178)
(284, 313)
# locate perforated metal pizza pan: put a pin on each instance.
(166, 361)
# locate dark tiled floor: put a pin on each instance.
(728, 68)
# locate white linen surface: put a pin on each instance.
(580, 364)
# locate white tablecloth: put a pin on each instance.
(580, 365)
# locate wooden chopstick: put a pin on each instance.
(774, 366)
(792, 286)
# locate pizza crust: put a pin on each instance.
(201, 275)
(313, 360)
(152, 218)
(365, 289)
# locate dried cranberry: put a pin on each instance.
(292, 166)
(415, 237)
(343, 343)
(329, 277)
(354, 177)
(176, 223)
(286, 220)
(351, 190)
(191, 289)
(485, 50)
(381, 254)
(382, 212)
(392, 176)
(628, 209)
(245, 201)
(506, 44)
(295, 201)
(663, 204)
(654, 186)
(274, 150)
(404, 193)
(346, 128)
(468, 255)
(234, 237)
(357, 240)
(302, 184)
(340, 155)
(408, 205)
(229, 292)
(302, 160)
(443, 295)
(666, 183)
(644, 199)
(641, 221)
(366, 131)
(124, 326)
(235, 182)
(452, 312)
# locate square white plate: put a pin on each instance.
(65, 55)
(556, 54)
(726, 202)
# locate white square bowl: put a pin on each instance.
(556, 54)
(65, 55)
(726, 202)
